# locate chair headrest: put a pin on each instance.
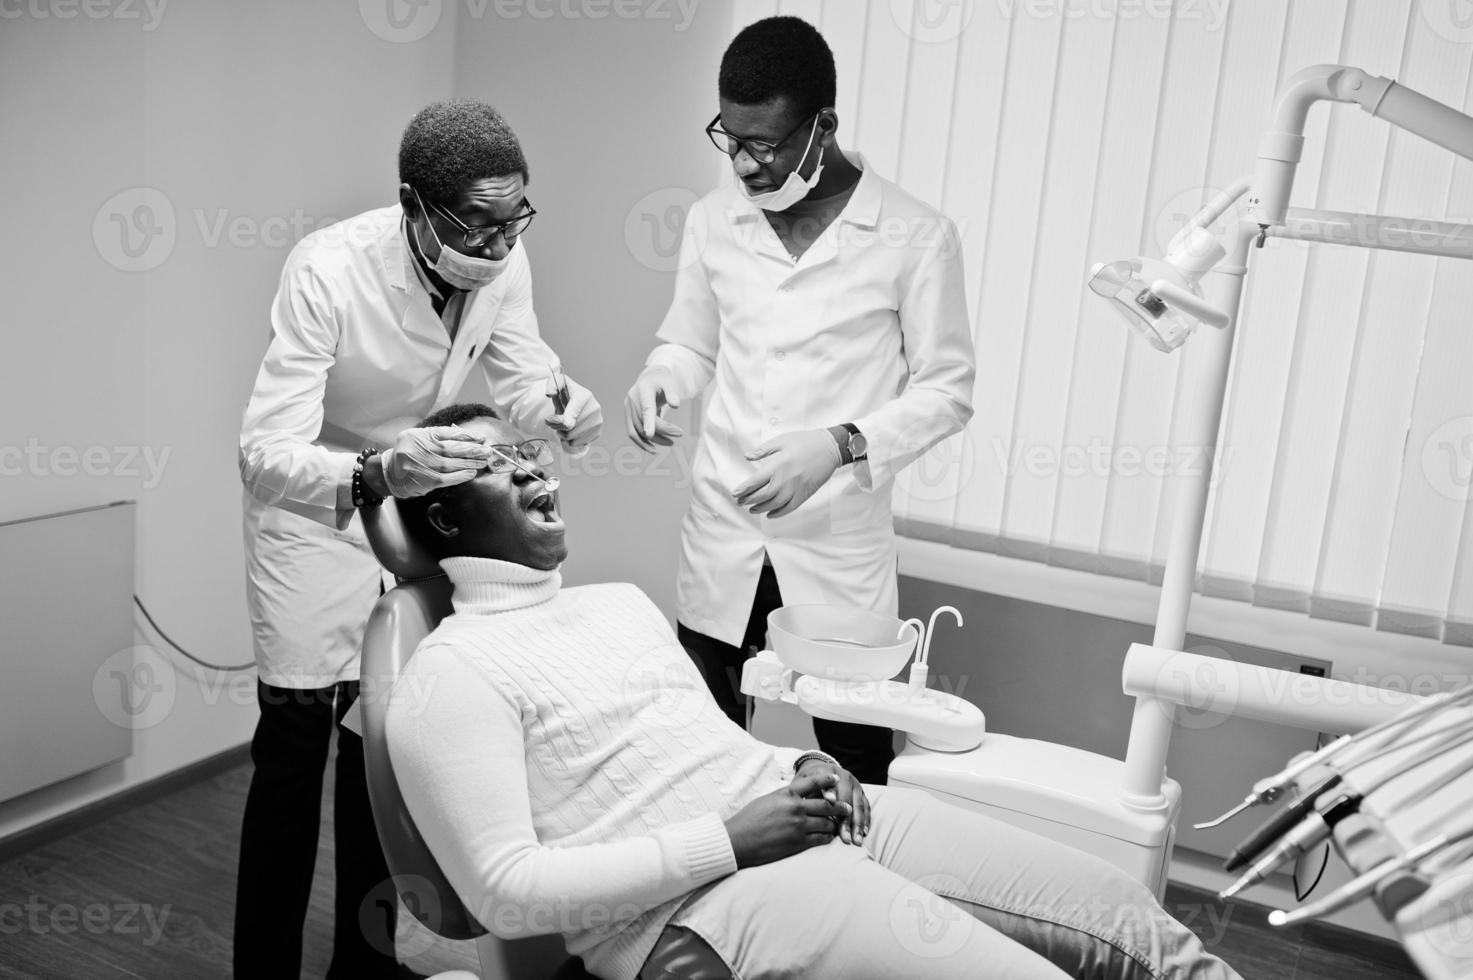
(392, 544)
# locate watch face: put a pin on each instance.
(858, 444)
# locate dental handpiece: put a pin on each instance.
(1280, 824)
(1361, 886)
(1271, 788)
(1305, 824)
(1309, 831)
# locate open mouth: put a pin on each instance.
(542, 511)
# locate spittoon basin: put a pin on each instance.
(842, 643)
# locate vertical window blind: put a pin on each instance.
(1059, 133)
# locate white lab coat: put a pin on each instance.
(869, 326)
(357, 355)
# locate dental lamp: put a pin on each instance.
(1201, 281)
(1160, 298)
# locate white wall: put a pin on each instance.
(244, 127)
(272, 117)
(610, 113)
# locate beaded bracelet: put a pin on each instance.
(812, 754)
(363, 495)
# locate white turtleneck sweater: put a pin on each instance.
(566, 763)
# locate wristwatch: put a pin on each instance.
(853, 447)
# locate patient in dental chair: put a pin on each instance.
(568, 768)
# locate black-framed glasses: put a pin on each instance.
(759, 150)
(535, 451)
(477, 236)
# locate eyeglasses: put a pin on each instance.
(534, 451)
(478, 235)
(759, 150)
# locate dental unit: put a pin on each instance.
(1125, 810)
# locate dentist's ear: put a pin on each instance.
(441, 519)
(828, 123)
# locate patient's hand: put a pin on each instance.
(789, 820)
(856, 825)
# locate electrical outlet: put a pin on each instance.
(1314, 670)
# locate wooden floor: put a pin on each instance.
(148, 894)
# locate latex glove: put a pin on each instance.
(580, 424)
(795, 465)
(855, 826)
(653, 390)
(423, 459)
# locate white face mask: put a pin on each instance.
(794, 189)
(461, 271)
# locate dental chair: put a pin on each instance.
(401, 618)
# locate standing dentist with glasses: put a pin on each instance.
(378, 322)
(822, 310)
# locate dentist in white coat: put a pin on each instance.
(822, 312)
(378, 321)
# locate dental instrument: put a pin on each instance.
(1366, 883)
(557, 388)
(1307, 824)
(1268, 790)
(551, 484)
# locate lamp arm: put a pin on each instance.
(1211, 211)
(1282, 143)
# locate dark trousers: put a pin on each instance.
(278, 843)
(866, 751)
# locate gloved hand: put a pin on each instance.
(797, 464)
(423, 459)
(653, 390)
(579, 425)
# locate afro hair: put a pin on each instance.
(448, 145)
(414, 511)
(779, 58)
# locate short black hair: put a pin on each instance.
(414, 511)
(448, 145)
(456, 414)
(779, 58)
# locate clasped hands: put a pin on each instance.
(822, 801)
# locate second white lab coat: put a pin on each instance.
(869, 326)
(357, 355)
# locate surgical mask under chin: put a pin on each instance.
(794, 189)
(463, 271)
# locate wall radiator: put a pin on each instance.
(66, 640)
